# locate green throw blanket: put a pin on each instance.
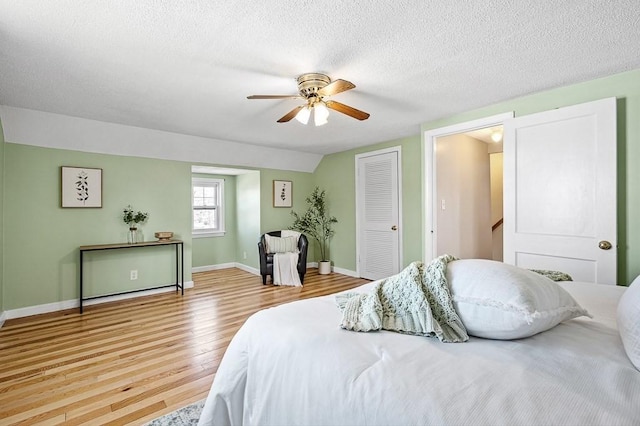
(415, 301)
(553, 275)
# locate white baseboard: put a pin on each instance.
(75, 303)
(255, 271)
(345, 272)
(248, 269)
(244, 267)
(213, 267)
(335, 269)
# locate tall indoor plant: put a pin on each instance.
(317, 224)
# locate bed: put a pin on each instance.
(293, 365)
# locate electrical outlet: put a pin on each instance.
(244, 255)
(133, 274)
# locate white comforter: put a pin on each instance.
(293, 365)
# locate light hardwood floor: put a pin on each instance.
(131, 361)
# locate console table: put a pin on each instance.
(179, 266)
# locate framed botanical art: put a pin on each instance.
(282, 193)
(81, 187)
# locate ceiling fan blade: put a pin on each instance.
(346, 109)
(288, 116)
(336, 86)
(274, 97)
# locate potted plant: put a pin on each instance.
(317, 224)
(133, 219)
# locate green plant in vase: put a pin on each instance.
(132, 219)
(317, 224)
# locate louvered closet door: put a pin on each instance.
(378, 203)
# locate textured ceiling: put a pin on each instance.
(187, 66)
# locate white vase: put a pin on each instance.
(324, 267)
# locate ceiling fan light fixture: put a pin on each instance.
(303, 115)
(314, 88)
(320, 114)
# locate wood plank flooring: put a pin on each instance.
(131, 361)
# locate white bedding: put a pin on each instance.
(293, 365)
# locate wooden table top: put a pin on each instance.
(126, 245)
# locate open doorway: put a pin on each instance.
(463, 189)
(468, 188)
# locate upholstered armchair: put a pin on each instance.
(266, 259)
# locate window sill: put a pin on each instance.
(208, 234)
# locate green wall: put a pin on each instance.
(219, 249)
(626, 88)
(278, 218)
(248, 195)
(41, 239)
(336, 174)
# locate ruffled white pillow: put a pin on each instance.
(499, 301)
(281, 245)
(629, 321)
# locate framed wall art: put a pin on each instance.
(282, 193)
(81, 187)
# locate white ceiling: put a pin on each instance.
(187, 66)
(486, 134)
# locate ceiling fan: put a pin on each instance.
(314, 88)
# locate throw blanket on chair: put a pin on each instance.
(285, 269)
(285, 264)
(415, 301)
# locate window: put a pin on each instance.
(207, 204)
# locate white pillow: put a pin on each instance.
(629, 321)
(499, 301)
(281, 245)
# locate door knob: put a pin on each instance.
(394, 228)
(605, 245)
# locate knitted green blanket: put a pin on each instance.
(415, 301)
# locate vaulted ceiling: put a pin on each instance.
(187, 66)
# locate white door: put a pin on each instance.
(378, 214)
(560, 191)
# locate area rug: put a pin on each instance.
(188, 415)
